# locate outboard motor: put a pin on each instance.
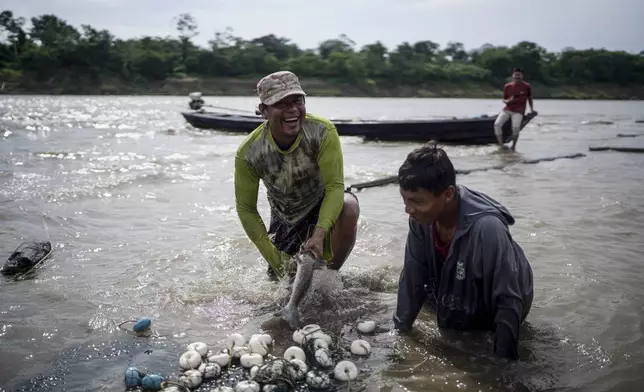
(196, 103)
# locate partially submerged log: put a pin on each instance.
(394, 179)
(619, 149)
(597, 122)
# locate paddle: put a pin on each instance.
(526, 119)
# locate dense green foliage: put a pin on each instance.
(51, 49)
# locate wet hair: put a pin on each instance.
(517, 70)
(427, 167)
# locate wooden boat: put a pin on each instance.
(463, 131)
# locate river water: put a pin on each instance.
(144, 224)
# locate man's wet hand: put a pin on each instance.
(315, 244)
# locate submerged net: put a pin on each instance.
(275, 375)
(329, 303)
(332, 304)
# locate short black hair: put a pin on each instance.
(517, 70)
(427, 167)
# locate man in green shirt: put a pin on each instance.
(298, 157)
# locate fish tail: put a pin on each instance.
(291, 316)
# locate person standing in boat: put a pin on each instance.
(298, 157)
(515, 96)
(460, 259)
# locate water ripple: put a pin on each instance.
(144, 224)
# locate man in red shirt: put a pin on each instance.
(461, 262)
(515, 95)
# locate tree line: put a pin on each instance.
(51, 47)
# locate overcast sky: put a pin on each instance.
(554, 24)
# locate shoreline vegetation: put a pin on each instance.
(53, 57)
(323, 88)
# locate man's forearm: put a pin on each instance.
(331, 207)
(332, 173)
(256, 231)
(246, 190)
(506, 335)
(411, 284)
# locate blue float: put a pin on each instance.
(132, 377)
(142, 325)
(152, 381)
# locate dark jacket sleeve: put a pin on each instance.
(502, 266)
(414, 276)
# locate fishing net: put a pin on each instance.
(275, 375)
(276, 372)
(326, 286)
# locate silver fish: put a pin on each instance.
(306, 264)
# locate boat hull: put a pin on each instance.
(464, 131)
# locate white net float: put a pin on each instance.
(360, 347)
(345, 371)
(323, 358)
(318, 380)
(266, 338)
(210, 371)
(234, 340)
(220, 359)
(200, 347)
(367, 326)
(247, 386)
(250, 360)
(190, 360)
(298, 369)
(258, 346)
(191, 378)
(294, 352)
(238, 351)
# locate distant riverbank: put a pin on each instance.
(315, 87)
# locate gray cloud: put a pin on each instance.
(554, 24)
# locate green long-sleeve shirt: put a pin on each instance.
(296, 180)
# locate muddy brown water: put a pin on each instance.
(144, 224)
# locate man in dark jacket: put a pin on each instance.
(460, 259)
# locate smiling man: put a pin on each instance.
(298, 157)
(460, 258)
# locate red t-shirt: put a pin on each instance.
(521, 92)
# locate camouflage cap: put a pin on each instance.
(278, 85)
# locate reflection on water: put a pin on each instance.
(144, 224)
